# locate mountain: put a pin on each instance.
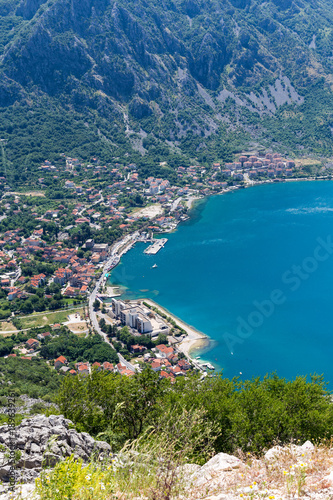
(162, 80)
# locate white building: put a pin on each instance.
(132, 316)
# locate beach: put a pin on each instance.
(190, 202)
(194, 341)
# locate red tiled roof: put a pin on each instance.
(30, 342)
(62, 359)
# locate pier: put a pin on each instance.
(156, 246)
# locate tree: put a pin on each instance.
(102, 324)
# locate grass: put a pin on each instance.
(291, 473)
(6, 326)
(150, 468)
(48, 318)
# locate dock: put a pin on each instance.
(156, 246)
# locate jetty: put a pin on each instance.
(156, 246)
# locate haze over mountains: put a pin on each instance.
(168, 79)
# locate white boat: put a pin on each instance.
(155, 265)
(198, 357)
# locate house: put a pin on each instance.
(184, 364)
(72, 372)
(157, 365)
(120, 367)
(108, 366)
(71, 292)
(137, 348)
(12, 293)
(64, 369)
(83, 369)
(42, 336)
(38, 280)
(32, 344)
(165, 351)
(166, 375)
(59, 362)
(177, 371)
(62, 275)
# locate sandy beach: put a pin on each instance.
(195, 340)
(191, 200)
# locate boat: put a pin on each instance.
(198, 357)
(155, 265)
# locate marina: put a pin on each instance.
(156, 246)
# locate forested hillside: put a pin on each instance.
(171, 80)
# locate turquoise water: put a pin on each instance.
(254, 271)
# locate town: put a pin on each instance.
(60, 242)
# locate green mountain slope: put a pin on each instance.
(192, 78)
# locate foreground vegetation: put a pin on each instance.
(250, 415)
(153, 468)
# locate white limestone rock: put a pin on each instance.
(216, 466)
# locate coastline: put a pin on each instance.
(194, 340)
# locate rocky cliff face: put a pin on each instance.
(153, 59)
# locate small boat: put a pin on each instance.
(198, 357)
(155, 265)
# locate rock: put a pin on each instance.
(276, 451)
(4, 473)
(329, 478)
(66, 450)
(102, 446)
(51, 459)
(307, 446)
(273, 452)
(34, 448)
(22, 491)
(47, 440)
(215, 466)
(30, 462)
(75, 440)
(187, 472)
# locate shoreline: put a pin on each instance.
(194, 340)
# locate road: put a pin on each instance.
(93, 295)
(175, 204)
(247, 179)
(100, 200)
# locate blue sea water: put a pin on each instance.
(254, 271)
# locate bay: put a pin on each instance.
(220, 270)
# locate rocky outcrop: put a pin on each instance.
(284, 472)
(42, 440)
(139, 108)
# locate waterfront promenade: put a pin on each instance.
(119, 249)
